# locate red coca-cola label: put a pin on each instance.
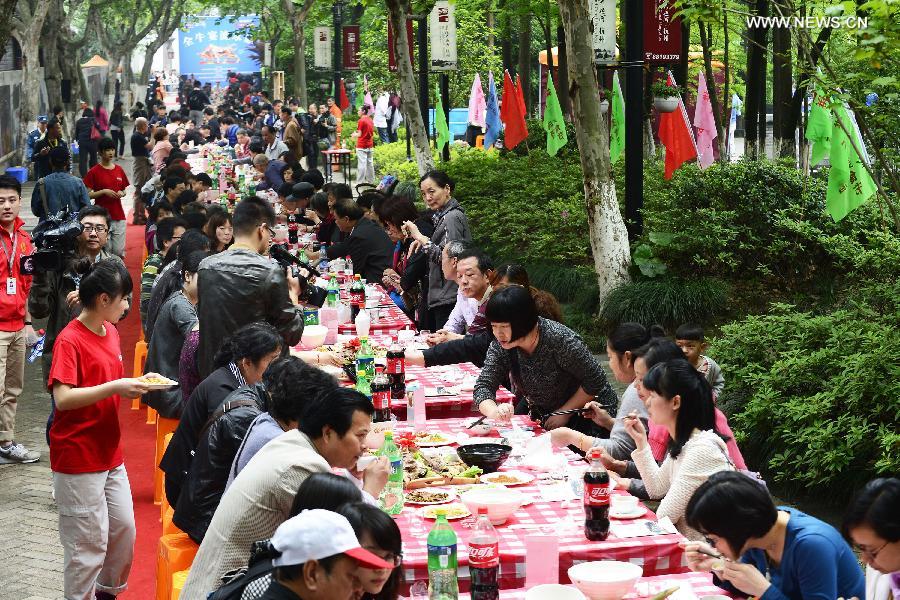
(596, 494)
(484, 556)
(395, 366)
(381, 399)
(358, 298)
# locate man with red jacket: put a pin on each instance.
(15, 322)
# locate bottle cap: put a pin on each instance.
(482, 510)
(388, 435)
(360, 373)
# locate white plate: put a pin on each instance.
(169, 383)
(451, 495)
(634, 513)
(430, 512)
(447, 441)
(522, 477)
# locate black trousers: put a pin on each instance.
(87, 153)
(311, 150)
(118, 136)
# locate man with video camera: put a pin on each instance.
(243, 285)
(54, 294)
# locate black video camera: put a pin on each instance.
(304, 272)
(56, 240)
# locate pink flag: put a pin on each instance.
(705, 124)
(477, 104)
(368, 97)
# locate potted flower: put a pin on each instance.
(665, 97)
(605, 95)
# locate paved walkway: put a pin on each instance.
(32, 566)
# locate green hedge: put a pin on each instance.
(669, 302)
(814, 399)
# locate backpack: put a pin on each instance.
(250, 582)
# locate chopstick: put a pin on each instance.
(478, 422)
(565, 412)
(708, 553)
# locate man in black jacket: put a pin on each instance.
(241, 285)
(367, 244)
(197, 101)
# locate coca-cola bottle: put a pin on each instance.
(381, 398)
(596, 499)
(484, 559)
(396, 371)
(357, 297)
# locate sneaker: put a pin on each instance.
(18, 453)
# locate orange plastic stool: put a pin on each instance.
(479, 142)
(176, 553)
(140, 357)
(164, 427)
(164, 505)
(168, 526)
(178, 580)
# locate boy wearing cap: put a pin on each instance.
(34, 136)
(320, 555)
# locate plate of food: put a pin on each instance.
(453, 511)
(425, 439)
(508, 478)
(630, 512)
(430, 496)
(157, 382)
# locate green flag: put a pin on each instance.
(440, 124)
(554, 124)
(818, 128)
(617, 123)
(849, 184)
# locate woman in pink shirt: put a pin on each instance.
(161, 149)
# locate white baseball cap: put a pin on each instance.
(317, 534)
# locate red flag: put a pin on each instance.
(511, 114)
(521, 95)
(344, 101)
(675, 134)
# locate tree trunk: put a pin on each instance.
(754, 103)
(524, 69)
(608, 236)
(415, 124)
(562, 76)
(705, 42)
(297, 19)
(8, 7)
(808, 64)
(29, 34)
(782, 84)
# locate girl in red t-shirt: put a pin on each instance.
(96, 513)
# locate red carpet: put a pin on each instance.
(139, 442)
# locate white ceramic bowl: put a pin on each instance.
(553, 591)
(314, 336)
(500, 502)
(605, 579)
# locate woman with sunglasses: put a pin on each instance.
(767, 551)
(872, 523)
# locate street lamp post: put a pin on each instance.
(634, 108)
(337, 14)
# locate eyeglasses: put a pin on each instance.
(390, 557)
(871, 554)
(95, 228)
(270, 230)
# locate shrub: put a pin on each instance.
(668, 302)
(814, 399)
(760, 220)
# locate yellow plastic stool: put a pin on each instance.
(164, 505)
(479, 142)
(178, 580)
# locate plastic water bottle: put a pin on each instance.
(442, 583)
(363, 323)
(348, 266)
(37, 350)
(391, 499)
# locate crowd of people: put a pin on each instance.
(262, 467)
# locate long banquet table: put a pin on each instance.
(656, 554)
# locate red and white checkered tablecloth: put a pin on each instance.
(700, 584)
(657, 554)
(390, 318)
(446, 407)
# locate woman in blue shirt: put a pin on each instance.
(773, 553)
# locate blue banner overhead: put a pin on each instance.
(210, 47)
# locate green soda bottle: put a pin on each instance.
(392, 499)
(365, 358)
(442, 580)
(334, 292)
(363, 386)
